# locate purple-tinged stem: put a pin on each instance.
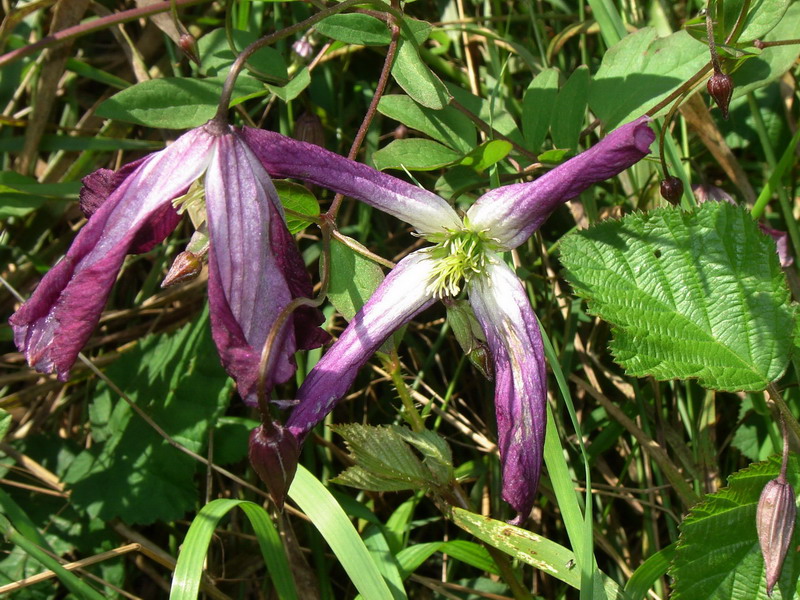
(712, 45)
(784, 409)
(761, 44)
(373, 108)
(221, 118)
(86, 28)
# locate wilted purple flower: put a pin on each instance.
(255, 269)
(775, 518)
(781, 243)
(466, 252)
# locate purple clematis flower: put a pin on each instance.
(255, 270)
(466, 252)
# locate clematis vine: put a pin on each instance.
(466, 255)
(254, 267)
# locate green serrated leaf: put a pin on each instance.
(300, 201)
(640, 71)
(689, 295)
(447, 126)
(538, 105)
(131, 472)
(354, 278)
(355, 29)
(571, 101)
(437, 457)
(415, 155)
(718, 555)
(382, 458)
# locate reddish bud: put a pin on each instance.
(188, 44)
(720, 86)
(274, 452)
(759, 44)
(185, 267)
(672, 189)
(775, 524)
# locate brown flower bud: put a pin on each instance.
(185, 267)
(672, 189)
(274, 452)
(775, 524)
(308, 128)
(188, 44)
(720, 86)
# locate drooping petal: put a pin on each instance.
(512, 332)
(254, 269)
(98, 187)
(397, 300)
(306, 320)
(54, 324)
(246, 286)
(512, 213)
(285, 157)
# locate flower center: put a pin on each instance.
(459, 256)
(193, 202)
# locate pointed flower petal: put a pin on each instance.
(55, 323)
(512, 332)
(98, 186)
(285, 157)
(248, 282)
(397, 300)
(513, 212)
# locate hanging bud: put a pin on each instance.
(308, 128)
(671, 189)
(274, 452)
(186, 266)
(469, 335)
(775, 524)
(303, 48)
(188, 44)
(720, 86)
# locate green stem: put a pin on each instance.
(72, 582)
(783, 409)
(763, 137)
(410, 412)
(380, 88)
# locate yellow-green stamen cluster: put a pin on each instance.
(459, 256)
(194, 203)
